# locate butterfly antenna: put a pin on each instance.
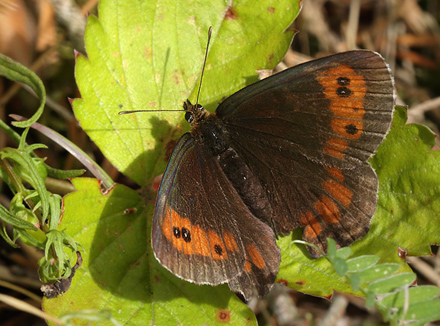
(204, 63)
(136, 111)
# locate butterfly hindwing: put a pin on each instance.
(202, 231)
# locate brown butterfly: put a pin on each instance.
(286, 152)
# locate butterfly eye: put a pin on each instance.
(189, 117)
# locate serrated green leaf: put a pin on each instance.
(391, 283)
(377, 272)
(361, 263)
(409, 191)
(134, 63)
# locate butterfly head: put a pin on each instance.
(194, 114)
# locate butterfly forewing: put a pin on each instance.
(306, 133)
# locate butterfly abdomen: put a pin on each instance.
(213, 134)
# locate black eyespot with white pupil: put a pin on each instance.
(343, 91)
(343, 81)
(186, 235)
(176, 232)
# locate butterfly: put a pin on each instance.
(289, 151)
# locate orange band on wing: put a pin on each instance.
(336, 147)
(256, 257)
(347, 108)
(247, 266)
(328, 210)
(312, 227)
(335, 173)
(346, 91)
(338, 191)
(229, 240)
(192, 239)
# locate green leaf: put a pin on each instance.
(377, 272)
(361, 263)
(340, 266)
(32, 172)
(415, 294)
(355, 281)
(423, 312)
(119, 270)
(142, 55)
(391, 283)
(55, 211)
(343, 253)
(331, 249)
(63, 174)
(14, 221)
(17, 72)
(409, 192)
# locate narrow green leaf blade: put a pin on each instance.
(17, 72)
(7, 217)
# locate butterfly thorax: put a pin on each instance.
(207, 128)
